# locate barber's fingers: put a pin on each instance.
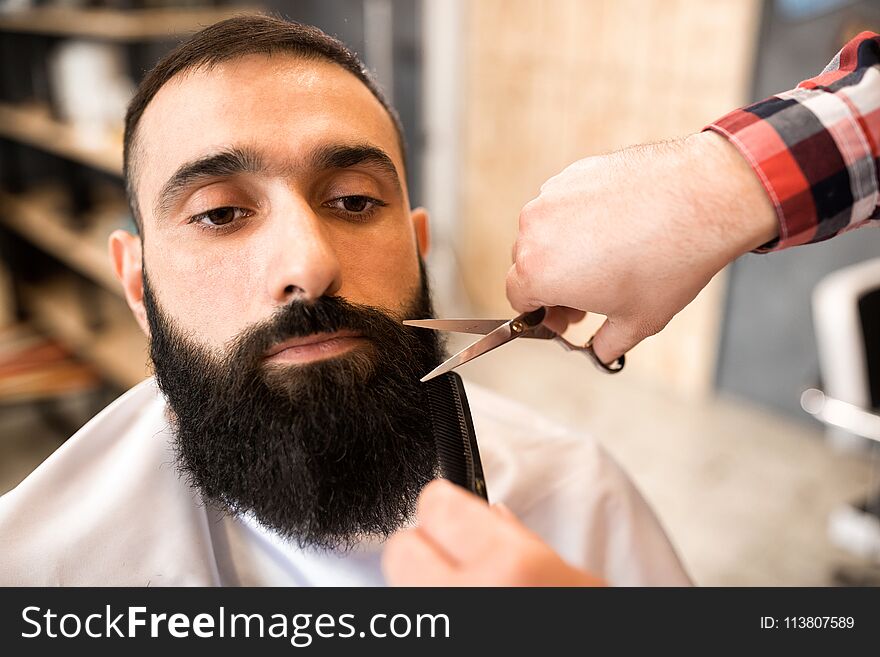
(411, 558)
(463, 526)
(614, 339)
(523, 299)
(518, 292)
(559, 317)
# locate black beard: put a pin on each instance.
(324, 453)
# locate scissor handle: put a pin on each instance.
(613, 367)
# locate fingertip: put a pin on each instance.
(438, 488)
(439, 496)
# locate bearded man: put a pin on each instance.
(284, 436)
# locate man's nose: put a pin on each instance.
(304, 264)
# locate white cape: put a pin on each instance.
(108, 508)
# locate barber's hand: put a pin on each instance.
(635, 235)
(461, 541)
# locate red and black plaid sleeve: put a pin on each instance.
(815, 148)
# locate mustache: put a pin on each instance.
(326, 314)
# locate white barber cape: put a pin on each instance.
(108, 508)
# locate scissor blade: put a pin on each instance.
(501, 335)
(480, 326)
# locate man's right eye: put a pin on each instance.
(219, 217)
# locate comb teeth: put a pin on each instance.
(453, 433)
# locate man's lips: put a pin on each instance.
(313, 347)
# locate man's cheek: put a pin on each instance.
(384, 276)
(205, 308)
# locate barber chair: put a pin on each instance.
(846, 318)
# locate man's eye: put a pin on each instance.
(356, 204)
(219, 216)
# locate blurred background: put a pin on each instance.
(496, 96)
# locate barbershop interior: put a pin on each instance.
(750, 424)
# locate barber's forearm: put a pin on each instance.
(746, 214)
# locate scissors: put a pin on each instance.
(501, 331)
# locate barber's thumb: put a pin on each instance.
(612, 341)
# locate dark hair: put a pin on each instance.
(232, 38)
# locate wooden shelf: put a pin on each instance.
(116, 25)
(33, 368)
(36, 218)
(34, 126)
(118, 351)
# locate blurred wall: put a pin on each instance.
(547, 83)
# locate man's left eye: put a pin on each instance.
(356, 204)
(218, 217)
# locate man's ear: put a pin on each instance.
(419, 218)
(125, 254)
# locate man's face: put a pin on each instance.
(316, 210)
(279, 257)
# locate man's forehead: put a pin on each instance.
(278, 104)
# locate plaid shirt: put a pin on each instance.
(816, 148)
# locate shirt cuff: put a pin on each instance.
(806, 148)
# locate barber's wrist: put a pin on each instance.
(744, 211)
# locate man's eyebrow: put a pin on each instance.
(224, 164)
(343, 156)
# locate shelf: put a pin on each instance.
(33, 367)
(36, 127)
(118, 351)
(116, 25)
(38, 219)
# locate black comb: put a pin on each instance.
(454, 433)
